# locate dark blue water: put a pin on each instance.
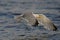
(10, 30)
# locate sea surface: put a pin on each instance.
(11, 30)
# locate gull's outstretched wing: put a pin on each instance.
(18, 18)
(47, 23)
(29, 18)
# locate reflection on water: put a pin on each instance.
(10, 30)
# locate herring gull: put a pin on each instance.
(35, 19)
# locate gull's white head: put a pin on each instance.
(35, 15)
(38, 15)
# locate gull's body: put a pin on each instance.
(45, 21)
(35, 19)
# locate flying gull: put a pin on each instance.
(35, 19)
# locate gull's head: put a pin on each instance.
(35, 15)
(38, 15)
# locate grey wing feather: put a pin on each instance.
(18, 19)
(31, 19)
